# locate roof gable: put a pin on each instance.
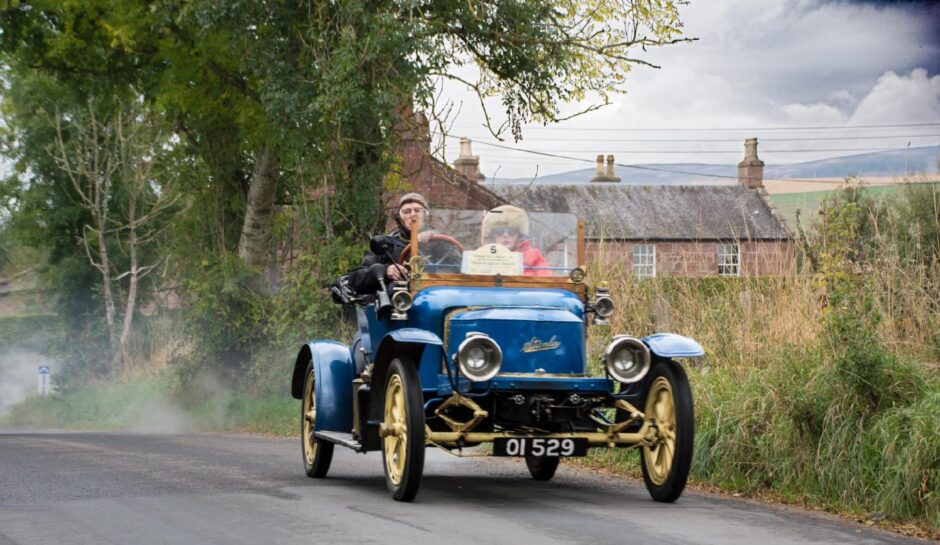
(631, 212)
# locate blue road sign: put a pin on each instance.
(44, 370)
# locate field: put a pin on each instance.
(790, 196)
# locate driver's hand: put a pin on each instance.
(425, 236)
(395, 272)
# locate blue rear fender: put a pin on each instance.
(334, 371)
(670, 345)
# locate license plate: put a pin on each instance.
(539, 446)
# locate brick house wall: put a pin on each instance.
(697, 258)
(458, 188)
(442, 185)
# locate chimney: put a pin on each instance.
(607, 176)
(751, 169)
(468, 164)
(413, 150)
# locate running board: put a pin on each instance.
(340, 438)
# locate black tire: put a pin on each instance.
(404, 439)
(542, 468)
(317, 454)
(668, 400)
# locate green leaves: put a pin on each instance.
(315, 90)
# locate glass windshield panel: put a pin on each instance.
(548, 248)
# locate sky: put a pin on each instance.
(867, 71)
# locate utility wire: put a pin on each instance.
(636, 167)
(693, 151)
(699, 129)
(737, 140)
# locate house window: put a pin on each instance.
(644, 261)
(729, 260)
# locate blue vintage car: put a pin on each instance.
(476, 348)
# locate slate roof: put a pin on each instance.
(651, 212)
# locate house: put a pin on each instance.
(444, 186)
(701, 230)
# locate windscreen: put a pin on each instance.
(508, 243)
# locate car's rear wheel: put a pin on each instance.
(402, 430)
(668, 403)
(542, 468)
(317, 454)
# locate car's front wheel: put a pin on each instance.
(542, 468)
(668, 404)
(317, 454)
(402, 430)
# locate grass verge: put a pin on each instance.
(150, 404)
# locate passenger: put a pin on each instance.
(362, 279)
(508, 226)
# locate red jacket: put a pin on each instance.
(532, 257)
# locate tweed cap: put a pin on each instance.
(413, 197)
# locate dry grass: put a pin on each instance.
(800, 401)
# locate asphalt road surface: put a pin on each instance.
(102, 488)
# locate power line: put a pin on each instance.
(637, 167)
(700, 129)
(711, 152)
(737, 140)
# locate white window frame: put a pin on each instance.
(729, 259)
(644, 261)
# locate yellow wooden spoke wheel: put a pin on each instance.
(396, 442)
(660, 405)
(317, 454)
(402, 430)
(668, 408)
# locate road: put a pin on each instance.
(104, 488)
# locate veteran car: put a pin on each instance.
(476, 348)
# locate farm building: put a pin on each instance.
(678, 230)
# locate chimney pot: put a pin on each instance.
(467, 163)
(465, 151)
(751, 168)
(607, 176)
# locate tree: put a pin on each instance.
(108, 160)
(318, 84)
(266, 98)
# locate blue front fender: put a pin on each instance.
(407, 341)
(412, 335)
(670, 345)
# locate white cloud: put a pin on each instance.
(843, 97)
(902, 99)
(756, 64)
(812, 114)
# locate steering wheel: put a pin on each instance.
(406, 251)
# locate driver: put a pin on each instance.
(508, 225)
(410, 207)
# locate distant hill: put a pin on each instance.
(877, 164)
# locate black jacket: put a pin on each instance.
(384, 249)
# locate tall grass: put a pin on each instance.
(820, 387)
